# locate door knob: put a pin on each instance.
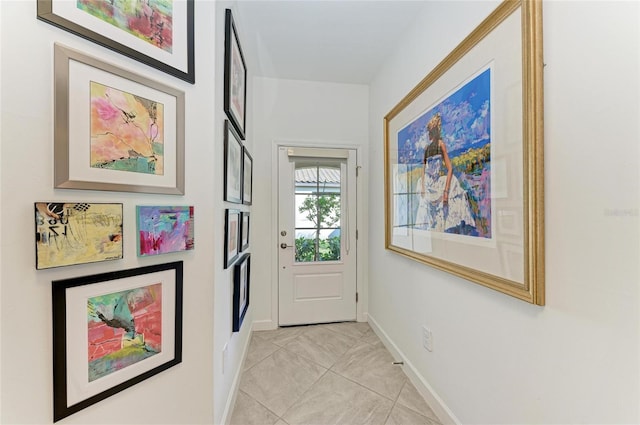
(285, 246)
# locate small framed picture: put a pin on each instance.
(69, 233)
(232, 165)
(231, 234)
(244, 230)
(247, 176)
(164, 229)
(235, 77)
(112, 331)
(241, 280)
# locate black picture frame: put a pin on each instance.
(235, 76)
(231, 236)
(233, 160)
(83, 299)
(247, 177)
(244, 230)
(184, 71)
(241, 287)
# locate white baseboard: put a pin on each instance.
(438, 406)
(233, 392)
(264, 325)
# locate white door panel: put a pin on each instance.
(317, 206)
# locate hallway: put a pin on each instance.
(338, 373)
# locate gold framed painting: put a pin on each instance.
(464, 159)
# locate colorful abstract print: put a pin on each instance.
(124, 328)
(77, 233)
(127, 131)
(165, 229)
(149, 20)
(466, 132)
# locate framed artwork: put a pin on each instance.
(231, 236)
(112, 331)
(115, 130)
(158, 33)
(244, 230)
(233, 161)
(164, 229)
(235, 77)
(241, 280)
(69, 233)
(467, 143)
(247, 176)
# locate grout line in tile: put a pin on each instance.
(364, 386)
(305, 392)
(249, 395)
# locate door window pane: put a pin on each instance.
(317, 214)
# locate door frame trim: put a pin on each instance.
(361, 306)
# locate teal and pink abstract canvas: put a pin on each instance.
(149, 20)
(124, 328)
(164, 229)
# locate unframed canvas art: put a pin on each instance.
(164, 229)
(462, 122)
(77, 233)
(123, 328)
(127, 131)
(149, 20)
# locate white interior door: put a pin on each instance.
(316, 235)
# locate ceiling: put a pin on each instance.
(322, 40)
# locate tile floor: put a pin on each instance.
(338, 373)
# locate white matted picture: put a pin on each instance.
(233, 160)
(247, 176)
(231, 236)
(235, 77)
(466, 145)
(113, 330)
(158, 33)
(244, 230)
(115, 130)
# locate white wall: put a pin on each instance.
(497, 359)
(182, 394)
(226, 366)
(300, 113)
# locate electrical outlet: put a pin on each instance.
(427, 339)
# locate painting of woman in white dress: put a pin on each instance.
(446, 152)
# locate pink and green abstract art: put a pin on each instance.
(124, 328)
(127, 131)
(149, 20)
(164, 229)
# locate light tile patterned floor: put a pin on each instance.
(339, 373)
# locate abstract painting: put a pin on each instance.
(112, 331)
(233, 160)
(159, 33)
(149, 20)
(455, 135)
(164, 229)
(235, 77)
(77, 233)
(123, 328)
(231, 236)
(127, 131)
